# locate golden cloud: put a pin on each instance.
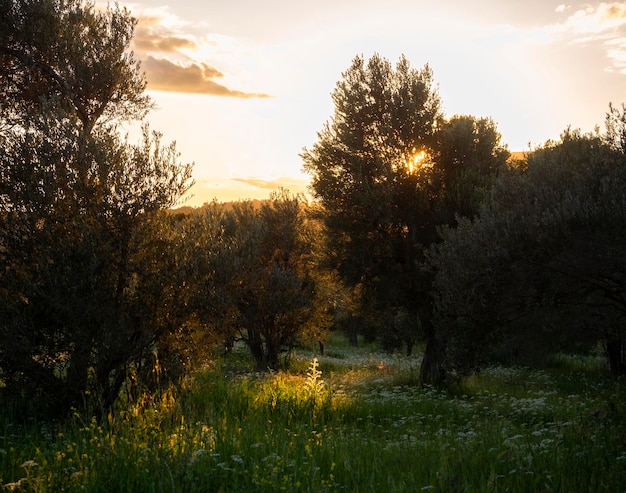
(157, 36)
(600, 25)
(195, 78)
(227, 190)
(613, 11)
(163, 44)
(595, 20)
(292, 184)
(152, 35)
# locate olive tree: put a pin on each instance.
(367, 175)
(66, 57)
(388, 168)
(541, 268)
(467, 157)
(75, 202)
(280, 297)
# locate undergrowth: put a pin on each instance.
(353, 420)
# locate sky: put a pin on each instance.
(243, 86)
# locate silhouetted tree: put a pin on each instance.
(254, 277)
(615, 128)
(75, 199)
(467, 158)
(388, 169)
(366, 173)
(281, 298)
(541, 269)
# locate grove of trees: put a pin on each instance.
(422, 229)
(251, 275)
(542, 268)
(389, 169)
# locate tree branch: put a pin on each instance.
(63, 85)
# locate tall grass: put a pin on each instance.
(362, 424)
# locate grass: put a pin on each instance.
(362, 424)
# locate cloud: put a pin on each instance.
(617, 54)
(292, 184)
(194, 78)
(147, 41)
(606, 16)
(601, 25)
(614, 11)
(172, 61)
(206, 189)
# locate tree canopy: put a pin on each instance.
(75, 202)
(541, 267)
(387, 169)
(67, 57)
(256, 277)
(384, 117)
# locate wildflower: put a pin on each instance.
(29, 463)
(314, 383)
(237, 458)
(15, 485)
(196, 455)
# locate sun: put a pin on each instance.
(416, 160)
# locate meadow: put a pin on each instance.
(353, 420)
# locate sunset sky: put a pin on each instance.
(243, 85)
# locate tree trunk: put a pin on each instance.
(353, 339)
(113, 388)
(272, 356)
(409, 347)
(432, 370)
(77, 376)
(256, 348)
(353, 331)
(615, 354)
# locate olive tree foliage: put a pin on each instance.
(388, 168)
(363, 173)
(68, 58)
(615, 128)
(76, 203)
(542, 267)
(467, 157)
(256, 278)
(76, 284)
(280, 297)
(383, 116)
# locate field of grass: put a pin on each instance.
(362, 424)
